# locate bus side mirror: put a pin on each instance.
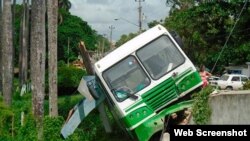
(92, 89)
(87, 88)
(177, 38)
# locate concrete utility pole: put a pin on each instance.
(103, 45)
(111, 30)
(140, 14)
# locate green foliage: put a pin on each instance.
(205, 28)
(64, 4)
(153, 23)
(65, 104)
(246, 86)
(6, 119)
(69, 78)
(16, 37)
(28, 131)
(124, 38)
(52, 128)
(103, 43)
(91, 128)
(10, 124)
(22, 104)
(61, 63)
(201, 110)
(70, 32)
(72, 29)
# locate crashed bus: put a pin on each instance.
(144, 81)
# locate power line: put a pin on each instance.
(126, 21)
(229, 35)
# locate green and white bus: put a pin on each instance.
(145, 80)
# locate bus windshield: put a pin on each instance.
(126, 78)
(160, 56)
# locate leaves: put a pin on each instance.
(205, 28)
(70, 33)
(201, 110)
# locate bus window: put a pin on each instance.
(126, 78)
(160, 56)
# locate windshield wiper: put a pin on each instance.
(133, 96)
(115, 90)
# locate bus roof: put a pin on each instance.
(129, 47)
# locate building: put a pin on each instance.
(240, 69)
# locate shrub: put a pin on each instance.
(201, 109)
(246, 86)
(6, 120)
(65, 104)
(28, 131)
(69, 79)
(52, 128)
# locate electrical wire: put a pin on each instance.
(229, 35)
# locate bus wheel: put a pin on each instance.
(156, 136)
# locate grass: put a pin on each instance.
(90, 129)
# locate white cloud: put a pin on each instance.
(100, 14)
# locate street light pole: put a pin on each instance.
(111, 30)
(126, 21)
(140, 14)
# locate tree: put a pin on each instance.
(205, 28)
(124, 38)
(74, 29)
(7, 52)
(153, 23)
(38, 62)
(24, 44)
(52, 48)
(64, 4)
(0, 48)
(13, 7)
(180, 4)
(185, 22)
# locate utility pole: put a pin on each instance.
(103, 44)
(111, 30)
(140, 14)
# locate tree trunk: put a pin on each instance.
(27, 35)
(21, 40)
(0, 48)
(23, 50)
(52, 47)
(38, 62)
(13, 22)
(7, 52)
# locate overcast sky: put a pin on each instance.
(100, 14)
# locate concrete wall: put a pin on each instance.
(230, 107)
